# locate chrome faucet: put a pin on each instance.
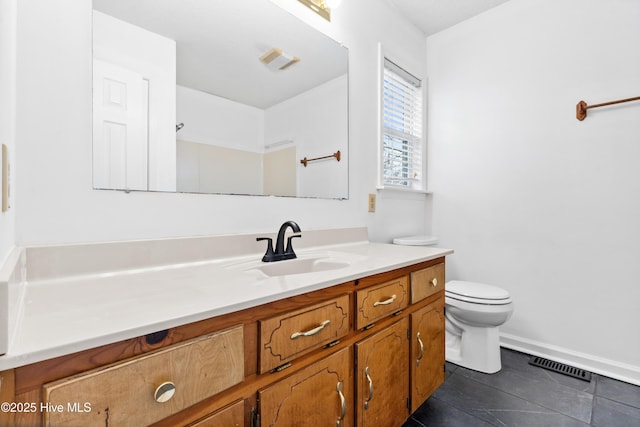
(281, 253)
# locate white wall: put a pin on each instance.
(7, 114)
(204, 168)
(315, 121)
(532, 199)
(53, 146)
(279, 171)
(210, 119)
(220, 146)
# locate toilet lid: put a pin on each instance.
(416, 240)
(476, 291)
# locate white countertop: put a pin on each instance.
(64, 315)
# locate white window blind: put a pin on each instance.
(401, 128)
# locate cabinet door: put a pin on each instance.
(318, 395)
(382, 387)
(231, 416)
(427, 352)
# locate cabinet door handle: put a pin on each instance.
(310, 332)
(385, 302)
(434, 282)
(366, 373)
(421, 349)
(343, 404)
(164, 392)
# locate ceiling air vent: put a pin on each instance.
(276, 59)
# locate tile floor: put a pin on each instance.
(523, 395)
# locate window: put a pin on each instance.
(401, 135)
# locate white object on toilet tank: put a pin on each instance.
(422, 240)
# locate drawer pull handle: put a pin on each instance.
(434, 282)
(164, 392)
(311, 331)
(385, 302)
(343, 404)
(421, 349)
(366, 373)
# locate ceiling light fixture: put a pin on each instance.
(322, 7)
(276, 59)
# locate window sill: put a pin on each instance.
(407, 193)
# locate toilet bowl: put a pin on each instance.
(473, 314)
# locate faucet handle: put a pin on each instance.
(289, 251)
(268, 255)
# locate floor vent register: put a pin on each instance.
(561, 368)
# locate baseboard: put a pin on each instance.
(588, 362)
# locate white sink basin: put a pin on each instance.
(305, 263)
(300, 266)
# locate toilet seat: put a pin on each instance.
(476, 293)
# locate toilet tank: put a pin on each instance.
(421, 240)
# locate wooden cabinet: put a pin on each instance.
(318, 395)
(427, 352)
(382, 390)
(362, 353)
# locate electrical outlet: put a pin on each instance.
(372, 202)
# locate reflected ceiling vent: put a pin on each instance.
(276, 59)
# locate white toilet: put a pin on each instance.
(473, 313)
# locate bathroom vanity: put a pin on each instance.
(350, 333)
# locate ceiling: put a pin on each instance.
(432, 16)
(218, 44)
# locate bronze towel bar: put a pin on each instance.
(582, 107)
(336, 155)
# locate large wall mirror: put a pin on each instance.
(224, 96)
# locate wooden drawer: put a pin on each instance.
(123, 393)
(379, 301)
(427, 282)
(290, 335)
